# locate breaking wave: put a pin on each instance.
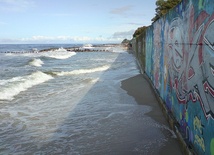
(82, 71)
(60, 53)
(12, 87)
(36, 62)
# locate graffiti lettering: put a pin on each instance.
(208, 88)
(190, 76)
(200, 141)
(197, 125)
(179, 60)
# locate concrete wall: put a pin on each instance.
(177, 54)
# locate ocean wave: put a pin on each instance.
(60, 50)
(82, 71)
(36, 62)
(58, 54)
(88, 46)
(12, 87)
(90, 80)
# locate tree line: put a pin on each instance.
(162, 7)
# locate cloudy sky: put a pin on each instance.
(72, 21)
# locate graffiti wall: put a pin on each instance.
(179, 60)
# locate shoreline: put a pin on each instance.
(139, 88)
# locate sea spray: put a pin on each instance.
(36, 62)
(58, 54)
(82, 71)
(12, 87)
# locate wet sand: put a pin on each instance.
(139, 88)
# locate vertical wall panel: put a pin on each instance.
(179, 60)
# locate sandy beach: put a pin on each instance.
(139, 88)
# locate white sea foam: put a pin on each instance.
(36, 63)
(12, 87)
(61, 50)
(88, 46)
(4, 82)
(83, 71)
(59, 54)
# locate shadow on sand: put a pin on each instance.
(109, 120)
(118, 115)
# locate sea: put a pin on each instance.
(66, 102)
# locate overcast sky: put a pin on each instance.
(72, 21)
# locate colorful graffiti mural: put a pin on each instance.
(192, 63)
(180, 63)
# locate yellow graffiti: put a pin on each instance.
(197, 125)
(200, 142)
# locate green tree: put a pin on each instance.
(163, 6)
(139, 31)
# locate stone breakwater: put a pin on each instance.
(77, 49)
(66, 49)
(96, 48)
